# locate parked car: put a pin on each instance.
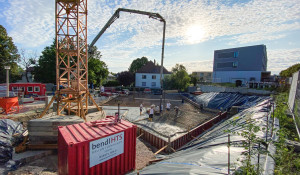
(156, 91)
(126, 91)
(106, 94)
(147, 91)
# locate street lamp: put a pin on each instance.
(7, 80)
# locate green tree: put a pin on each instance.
(193, 79)
(98, 71)
(289, 71)
(168, 82)
(8, 57)
(125, 78)
(137, 64)
(180, 77)
(45, 71)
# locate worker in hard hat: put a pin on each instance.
(168, 106)
(151, 113)
(141, 108)
(176, 110)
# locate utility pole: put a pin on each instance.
(7, 80)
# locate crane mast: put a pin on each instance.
(71, 58)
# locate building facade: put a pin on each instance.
(203, 76)
(149, 76)
(240, 64)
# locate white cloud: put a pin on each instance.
(195, 66)
(32, 23)
(281, 59)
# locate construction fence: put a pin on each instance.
(294, 100)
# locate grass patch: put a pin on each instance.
(287, 161)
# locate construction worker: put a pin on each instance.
(168, 106)
(151, 112)
(201, 107)
(156, 110)
(141, 108)
(176, 110)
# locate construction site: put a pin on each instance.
(78, 131)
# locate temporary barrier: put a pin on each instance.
(7, 104)
(87, 148)
(177, 143)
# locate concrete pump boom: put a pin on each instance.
(151, 15)
(117, 15)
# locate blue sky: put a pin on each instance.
(195, 28)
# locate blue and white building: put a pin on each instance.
(240, 64)
(149, 76)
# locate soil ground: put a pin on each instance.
(168, 122)
(48, 165)
(187, 118)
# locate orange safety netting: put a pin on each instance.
(9, 104)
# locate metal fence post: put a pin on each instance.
(228, 153)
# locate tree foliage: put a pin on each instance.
(137, 64)
(125, 78)
(112, 83)
(193, 79)
(180, 77)
(98, 71)
(45, 71)
(27, 60)
(178, 80)
(8, 57)
(289, 71)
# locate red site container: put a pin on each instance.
(103, 149)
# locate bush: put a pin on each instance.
(112, 83)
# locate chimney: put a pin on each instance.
(154, 61)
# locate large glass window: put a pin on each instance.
(154, 77)
(235, 64)
(236, 54)
(144, 76)
(153, 84)
(144, 84)
(224, 65)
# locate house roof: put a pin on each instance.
(150, 67)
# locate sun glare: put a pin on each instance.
(195, 34)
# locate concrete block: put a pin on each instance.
(47, 101)
(46, 127)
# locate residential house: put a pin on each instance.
(203, 76)
(149, 75)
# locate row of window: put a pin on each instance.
(228, 55)
(29, 89)
(227, 65)
(145, 77)
(153, 84)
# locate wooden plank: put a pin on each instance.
(161, 149)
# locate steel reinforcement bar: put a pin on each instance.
(177, 143)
